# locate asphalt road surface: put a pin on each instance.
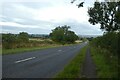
(38, 64)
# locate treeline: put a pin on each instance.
(109, 41)
(14, 40)
(60, 35)
(21, 40)
(42, 36)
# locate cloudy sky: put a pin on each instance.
(41, 16)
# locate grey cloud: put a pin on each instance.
(10, 12)
(32, 22)
(81, 28)
(6, 19)
(36, 5)
(29, 30)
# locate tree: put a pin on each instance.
(8, 40)
(23, 37)
(107, 14)
(63, 35)
(70, 37)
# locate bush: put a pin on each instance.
(63, 35)
(109, 41)
(21, 40)
(10, 41)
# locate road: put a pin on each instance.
(38, 64)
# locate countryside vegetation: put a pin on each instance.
(104, 49)
(60, 36)
(63, 35)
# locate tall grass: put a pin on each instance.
(25, 49)
(107, 65)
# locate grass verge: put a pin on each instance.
(107, 65)
(73, 69)
(19, 50)
(0, 50)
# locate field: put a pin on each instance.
(33, 44)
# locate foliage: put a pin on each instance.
(106, 48)
(107, 14)
(15, 43)
(8, 40)
(109, 41)
(106, 64)
(63, 35)
(23, 37)
(13, 40)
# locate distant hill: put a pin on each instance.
(47, 35)
(88, 36)
(39, 35)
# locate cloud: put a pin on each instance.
(84, 28)
(16, 25)
(61, 13)
(45, 15)
(53, 13)
(13, 29)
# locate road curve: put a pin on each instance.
(38, 64)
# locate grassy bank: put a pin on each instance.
(32, 44)
(19, 50)
(72, 70)
(0, 50)
(26, 49)
(107, 65)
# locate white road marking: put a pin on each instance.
(24, 59)
(59, 50)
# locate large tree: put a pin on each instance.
(23, 37)
(107, 14)
(62, 34)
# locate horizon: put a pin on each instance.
(80, 35)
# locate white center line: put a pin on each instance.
(59, 50)
(24, 59)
